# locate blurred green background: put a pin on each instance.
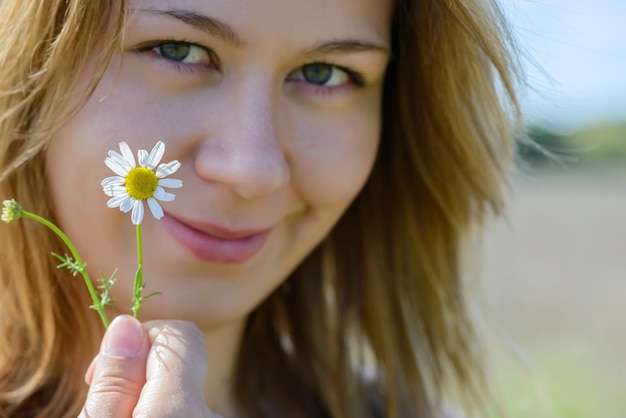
(554, 286)
(552, 294)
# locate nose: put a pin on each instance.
(241, 149)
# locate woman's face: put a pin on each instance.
(273, 107)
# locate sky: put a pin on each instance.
(574, 54)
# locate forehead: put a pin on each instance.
(286, 21)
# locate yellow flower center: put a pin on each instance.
(141, 182)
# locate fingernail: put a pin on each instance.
(124, 337)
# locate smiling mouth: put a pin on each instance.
(215, 244)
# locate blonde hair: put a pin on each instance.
(383, 290)
(42, 360)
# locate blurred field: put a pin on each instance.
(555, 296)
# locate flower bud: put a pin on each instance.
(11, 210)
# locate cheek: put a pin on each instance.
(123, 107)
(74, 175)
(76, 154)
(75, 167)
(75, 163)
(332, 161)
(78, 202)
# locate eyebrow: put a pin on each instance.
(205, 23)
(227, 34)
(346, 46)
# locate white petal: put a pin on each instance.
(128, 204)
(143, 156)
(167, 169)
(117, 157)
(127, 153)
(116, 201)
(137, 215)
(155, 155)
(116, 167)
(113, 181)
(161, 194)
(155, 208)
(114, 190)
(171, 183)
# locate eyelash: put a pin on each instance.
(355, 78)
(149, 47)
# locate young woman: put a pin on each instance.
(335, 156)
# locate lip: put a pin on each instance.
(214, 243)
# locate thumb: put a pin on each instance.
(119, 372)
(176, 372)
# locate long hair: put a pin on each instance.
(46, 333)
(377, 318)
(374, 322)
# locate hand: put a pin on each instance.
(157, 373)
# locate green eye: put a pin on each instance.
(324, 75)
(175, 51)
(317, 73)
(181, 52)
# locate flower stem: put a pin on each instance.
(137, 298)
(95, 297)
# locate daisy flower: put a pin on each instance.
(136, 183)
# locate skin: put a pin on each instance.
(261, 147)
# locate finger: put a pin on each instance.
(176, 371)
(90, 369)
(119, 371)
